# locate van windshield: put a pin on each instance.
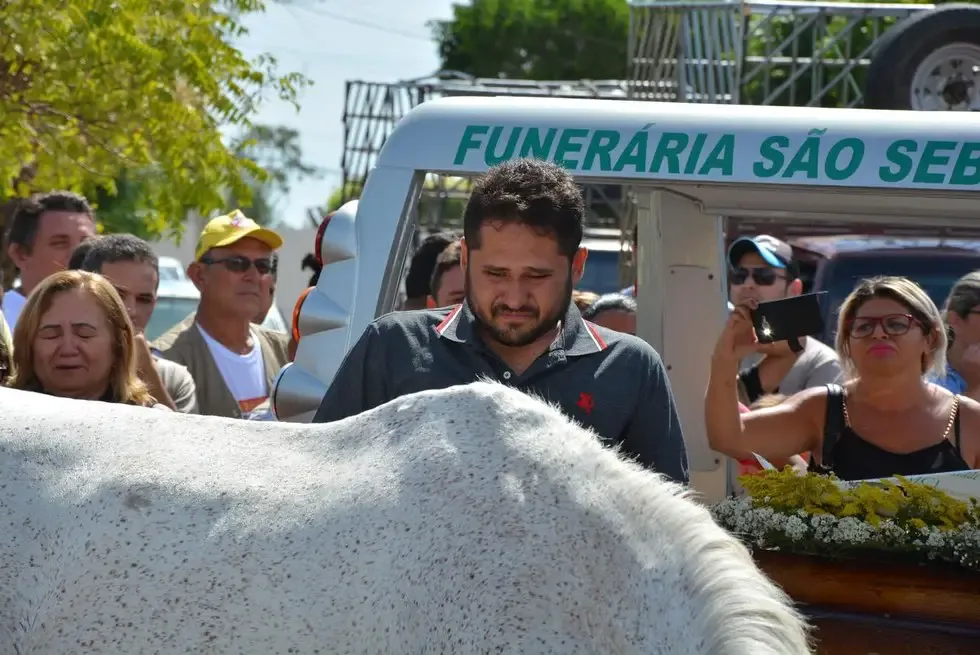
(601, 272)
(935, 273)
(171, 274)
(168, 312)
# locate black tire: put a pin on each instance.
(907, 44)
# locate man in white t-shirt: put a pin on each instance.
(43, 232)
(233, 362)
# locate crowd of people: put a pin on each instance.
(84, 301)
(895, 394)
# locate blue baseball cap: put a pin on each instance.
(774, 252)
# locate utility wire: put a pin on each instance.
(363, 23)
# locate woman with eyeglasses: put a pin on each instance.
(886, 418)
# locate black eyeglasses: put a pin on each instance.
(764, 276)
(240, 263)
(894, 325)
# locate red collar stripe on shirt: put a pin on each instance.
(600, 343)
(446, 322)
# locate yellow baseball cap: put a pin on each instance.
(226, 230)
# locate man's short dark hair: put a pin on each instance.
(27, 217)
(424, 262)
(539, 194)
(448, 259)
(114, 248)
(611, 302)
(310, 263)
(81, 250)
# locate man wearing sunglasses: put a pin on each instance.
(761, 268)
(233, 362)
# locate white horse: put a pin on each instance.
(470, 520)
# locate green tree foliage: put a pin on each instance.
(833, 38)
(341, 195)
(536, 39)
(588, 39)
(440, 206)
(125, 99)
(277, 151)
(122, 209)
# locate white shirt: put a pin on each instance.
(243, 374)
(13, 304)
(816, 366)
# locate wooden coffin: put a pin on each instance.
(881, 607)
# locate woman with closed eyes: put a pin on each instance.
(74, 339)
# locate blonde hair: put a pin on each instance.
(769, 400)
(6, 350)
(124, 382)
(584, 299)
(963, 298)
(909, 294)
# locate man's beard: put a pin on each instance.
(517, 338)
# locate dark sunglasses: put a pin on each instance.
(764, 276)
(240, 263)
(894, 325)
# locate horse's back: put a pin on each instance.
(473, 519)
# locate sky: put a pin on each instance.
(331, 42)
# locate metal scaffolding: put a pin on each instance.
(762, 52)
(372, 109)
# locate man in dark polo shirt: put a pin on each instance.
(521, 256)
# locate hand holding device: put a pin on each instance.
(789, 319)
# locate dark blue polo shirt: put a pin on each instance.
(611, 382)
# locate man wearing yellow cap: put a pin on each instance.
(233, 362)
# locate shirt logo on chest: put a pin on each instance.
(585, 402)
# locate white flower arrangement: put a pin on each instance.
(821, 533)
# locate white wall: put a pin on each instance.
(292, 280)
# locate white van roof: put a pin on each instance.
(642, 141)
(178, 289)
(170, 262)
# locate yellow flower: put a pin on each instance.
(909, 504)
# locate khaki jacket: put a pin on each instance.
(179, 383)
(185, 345)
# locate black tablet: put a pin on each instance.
(789, 318)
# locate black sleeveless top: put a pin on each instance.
(850, 457)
